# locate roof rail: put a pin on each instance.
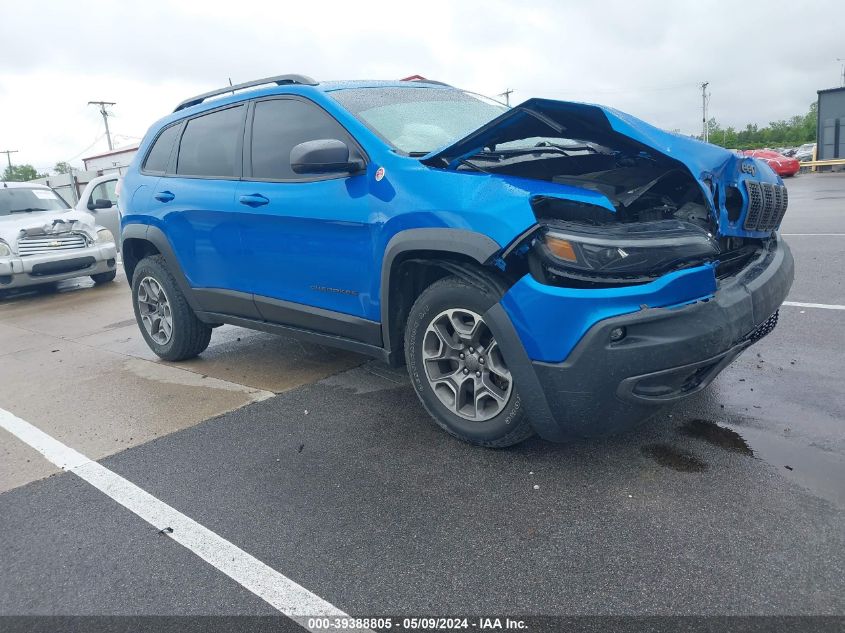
(280, 80)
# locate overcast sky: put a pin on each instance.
(764, 59)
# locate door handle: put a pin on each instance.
(164, 196)
(254, 200)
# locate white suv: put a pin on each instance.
(43, 240)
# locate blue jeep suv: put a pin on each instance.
(554, 268)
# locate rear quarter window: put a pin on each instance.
(159, 155)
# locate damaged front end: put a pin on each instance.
(628, 202)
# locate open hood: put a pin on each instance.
(594, 123)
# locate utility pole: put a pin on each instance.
(704, 96)
(106, 115)
(8, 153)
(507, 95)
(841, 59)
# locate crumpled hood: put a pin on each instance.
(707, 163)
(46, 222)
(601, 124)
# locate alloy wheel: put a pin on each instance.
(464, 365)
(154, 308)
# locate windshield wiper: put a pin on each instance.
(502, 154)
(28, 210)
(569, 148)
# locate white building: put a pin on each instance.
(117, 160)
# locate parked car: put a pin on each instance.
(783, 166)
(806, 152)
(99, 198)
(43, 240)
(557, 267)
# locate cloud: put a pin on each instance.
(764, 59)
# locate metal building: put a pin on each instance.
(116, 160)
(831, 124)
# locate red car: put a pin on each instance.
(782, 165)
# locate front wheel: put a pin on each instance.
(167, 322)
(457, 366)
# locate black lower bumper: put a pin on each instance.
(666, 354)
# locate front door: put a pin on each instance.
(308, 238)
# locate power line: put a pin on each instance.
(8, 153)
(96, 140)
(106, 116)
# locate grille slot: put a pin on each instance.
(766, 205)
(50, 244)
(763, 329)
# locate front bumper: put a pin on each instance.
(17, 272)
(668, 353)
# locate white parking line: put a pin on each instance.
(813, 234)
(281, 592)
(823, 306)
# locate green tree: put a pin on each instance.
(21, 173)
(792, 131)
(62, 167)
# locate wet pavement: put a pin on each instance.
(73, 362)
(324, 466)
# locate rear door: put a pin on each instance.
(195, 201)
(307, 237)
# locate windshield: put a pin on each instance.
(419, 120)
(27, 200)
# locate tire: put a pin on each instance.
(187, 336)
(469, 412)
(104, 278)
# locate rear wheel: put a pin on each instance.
(167, 322)
(457, 366)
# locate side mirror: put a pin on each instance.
(100, 203)
(323, 156)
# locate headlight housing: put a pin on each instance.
(5, 250)
(623, 252)
(104, 236)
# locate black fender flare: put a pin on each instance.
(476, 246)
(158, 239)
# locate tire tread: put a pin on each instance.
(522, 429)
(190, 335)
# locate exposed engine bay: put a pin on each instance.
(660, 219)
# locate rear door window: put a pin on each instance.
(211, 145)
(279, 125)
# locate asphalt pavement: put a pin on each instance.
(731, 503)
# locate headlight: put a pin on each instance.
(104, 236)
(5, 251)
(641, 249)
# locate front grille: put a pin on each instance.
(35, 245)
(766, 205)
(62, 266)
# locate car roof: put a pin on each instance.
(224, 97)
(329, 86)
